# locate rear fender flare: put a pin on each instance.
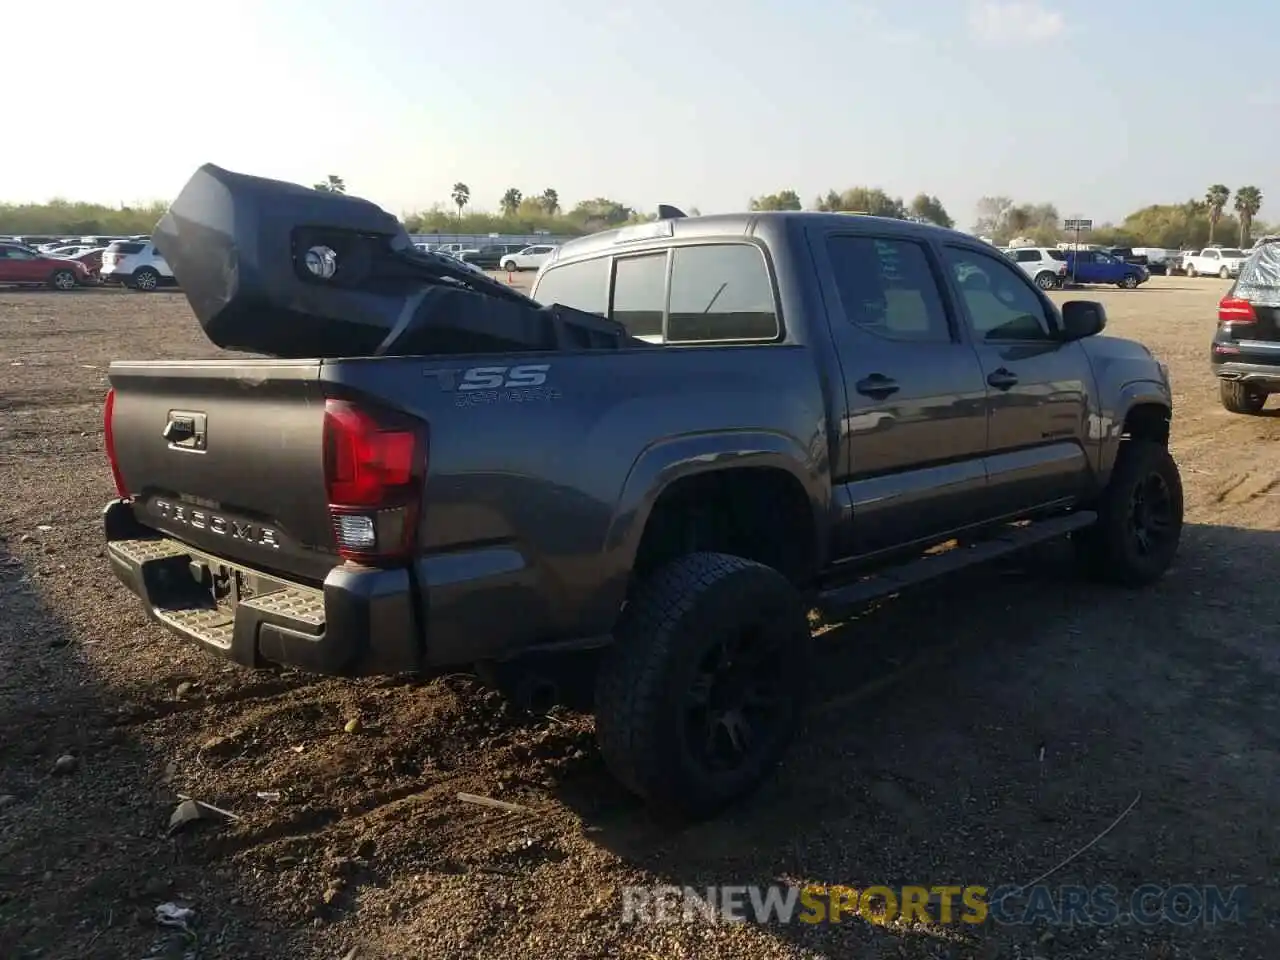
(665, 462)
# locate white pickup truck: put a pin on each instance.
(1225, 262)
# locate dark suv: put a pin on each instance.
(1246, 346)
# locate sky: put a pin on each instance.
(1095, 106)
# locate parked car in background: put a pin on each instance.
(1159, 259)
(528, 258)
(1245, 355)
(1128, 255)
(1046, 266)
(22, 266)
(136, 264)
(91, 257)
(1094, 266)
(1225, 262)
(70, 250)
(487, 257)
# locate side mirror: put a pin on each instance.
(1082, 318)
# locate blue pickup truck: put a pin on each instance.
(1094, 266)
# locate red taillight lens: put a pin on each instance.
(1235, 310)
(109, 438)
(375, 464)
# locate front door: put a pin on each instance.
(911, 447)
(1040, 388)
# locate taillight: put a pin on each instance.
(1062, 270)
(109, 438)
(375, 464)
(1235, 310)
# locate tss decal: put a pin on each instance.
(500, 378)
(491, 378)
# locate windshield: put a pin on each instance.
(1232, 253)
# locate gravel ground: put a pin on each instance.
(980, 736)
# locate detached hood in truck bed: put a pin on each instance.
(280, 269)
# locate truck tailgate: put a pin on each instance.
(228, 456)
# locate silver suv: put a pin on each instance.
(1046, 266)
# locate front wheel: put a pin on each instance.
(1240, 397)
(509, 266)
(702, 690)
(1139, 518)
(1224, 273)
(1191, 271)
(63, 280)
(146, 280)
(1130, 282)
(1046, 281)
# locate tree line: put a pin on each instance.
(1193, 223)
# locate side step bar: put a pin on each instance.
(841, 600)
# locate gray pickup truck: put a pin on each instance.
(701, 430)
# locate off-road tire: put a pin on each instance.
(674, 620)
(1109, 550)
(1240, 397)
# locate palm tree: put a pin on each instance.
(1248, 203)
(550, 202)
(461, 197)
(1216, 198)
(510, 202)
(332, 184)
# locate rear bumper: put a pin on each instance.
(1262, 375)
(453, 609)
(361, 621)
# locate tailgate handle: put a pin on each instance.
(185, 430)
(178, 430)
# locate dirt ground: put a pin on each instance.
(980, 733)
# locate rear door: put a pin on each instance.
(227, 455)
(914, 436)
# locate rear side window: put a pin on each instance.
(1057, 255)
(1027, 256)
(888, 288)
(583, 286)
(125, 247)
(720, 292)
(640, 294)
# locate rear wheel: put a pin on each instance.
(146, 280)
(63, 280)
(1139, 518)
(701, 693)
(1240, 397)
(1046, 280)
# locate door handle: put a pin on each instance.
(1002, 379)
(876, 386)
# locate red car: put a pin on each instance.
(92, 259)
(22, 265)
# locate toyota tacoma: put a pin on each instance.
(695, 432)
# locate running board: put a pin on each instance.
(839, 601)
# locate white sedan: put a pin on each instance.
(530, 258)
